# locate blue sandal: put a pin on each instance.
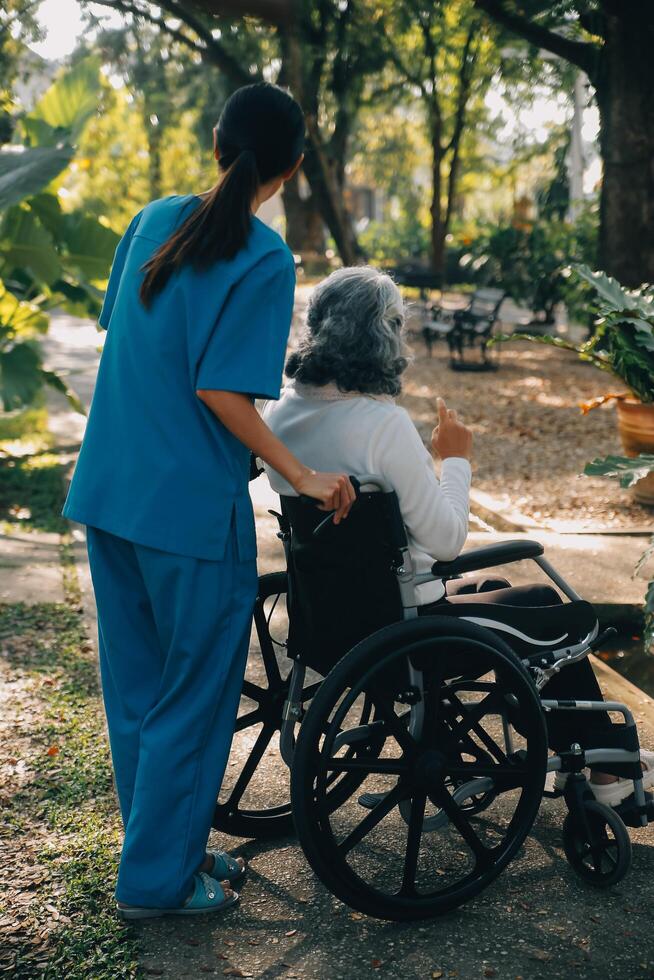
(226, 868)
(208, 896)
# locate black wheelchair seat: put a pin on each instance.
(531, 631)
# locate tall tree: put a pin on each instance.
(612, 42)
(443, 53)
(322, 53)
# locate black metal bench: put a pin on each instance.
(465, 328)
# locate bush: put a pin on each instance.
(531, 261)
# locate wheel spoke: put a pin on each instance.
(456, 816)
(374, 817)
(472, 715)
(253, 692)
(251, 718)
(489, 743)
(414, 836)
(392, 767)
(395, 726)
(259, 747)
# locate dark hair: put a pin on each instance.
(260, 134)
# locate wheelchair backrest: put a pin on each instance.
(342, 583)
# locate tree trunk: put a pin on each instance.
(325, 191)
(625, 94)
(305, 230)
(437, 225)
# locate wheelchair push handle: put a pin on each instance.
(328, 517)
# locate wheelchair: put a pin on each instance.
(416, 745)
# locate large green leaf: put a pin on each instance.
(29, 171)
(608, 288)
(52, 379)
(25, 243)
(90, 245)
(20, 375)
(78, 299)
(67, 105)
(18, 318)
(47, 208)
(628, 470)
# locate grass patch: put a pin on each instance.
(32, 481)
(58, 917)
(32, 492)
(30, 424)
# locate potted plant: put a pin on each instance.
(630, 472)
(623, 345)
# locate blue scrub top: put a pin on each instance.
(156, 466)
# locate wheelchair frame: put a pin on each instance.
(585, 814)
(550, 664)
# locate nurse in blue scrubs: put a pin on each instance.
(197, 313)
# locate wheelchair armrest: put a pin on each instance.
(487, 557)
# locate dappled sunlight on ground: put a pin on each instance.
(531, 440)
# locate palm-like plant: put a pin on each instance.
(629, 470)
(48, 258)
(623, 341)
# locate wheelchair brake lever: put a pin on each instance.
(602, 638)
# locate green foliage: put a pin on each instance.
(25, 171)
(66, 107)
(47, 257)
(623, 341)
(531, 261)
(628, 471)
(395, 239)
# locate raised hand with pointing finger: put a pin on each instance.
(450, 437)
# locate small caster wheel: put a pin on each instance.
(596, 844)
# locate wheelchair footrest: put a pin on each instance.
(370, 800)
(631, 813)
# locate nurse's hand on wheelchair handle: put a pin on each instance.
(450, 437)
(331, 491)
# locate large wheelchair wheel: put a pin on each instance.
(254, 799)
(446, 803)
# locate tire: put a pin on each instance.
(597, 844)
(264, 815)
(352, 856)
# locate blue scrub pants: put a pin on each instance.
(173, 638)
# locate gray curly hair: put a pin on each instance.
(353, 335)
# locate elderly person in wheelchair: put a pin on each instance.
(338, 413)
(419, 707)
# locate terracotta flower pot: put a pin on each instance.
(636, 427)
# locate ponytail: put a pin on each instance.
(217, 229)
(260, 135)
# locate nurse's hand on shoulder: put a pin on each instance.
(333, 490)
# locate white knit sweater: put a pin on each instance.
(350, 433)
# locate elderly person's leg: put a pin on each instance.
(515, 595)
(590, 729)
(468, 584)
